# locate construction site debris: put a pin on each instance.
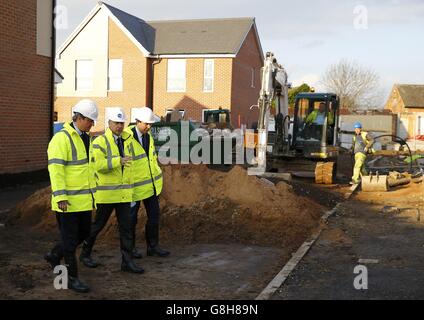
(368, 261)
(390, 210)
(398, 179)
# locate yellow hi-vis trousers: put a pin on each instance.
(359, 168)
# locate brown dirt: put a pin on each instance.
(336, 237)
(200, 205)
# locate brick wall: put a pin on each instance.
(135, 84)
(395, 102)
(194, 100)
(396, 105)
(244, 95)
(24, 90)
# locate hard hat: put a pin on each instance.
(87, 108)
(358, 125)
(145, 115)
(116, 115)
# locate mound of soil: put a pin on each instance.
(201, 205)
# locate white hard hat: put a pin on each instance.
(87, 108)
(116, 115)
(145, 115)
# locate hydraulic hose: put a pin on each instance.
(402, 142)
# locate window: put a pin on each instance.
(252, 84)
(44, 28)
(215, 115)
(176, 75)
(115, 75)
(174, 115)
(133, 115)
(208, 75)
(84, 75)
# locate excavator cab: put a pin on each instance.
(315, 133)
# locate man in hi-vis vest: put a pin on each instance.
(114, 189)
(361, 145)
(72, 183)
(147, 180)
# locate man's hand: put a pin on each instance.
(126, 161)
(63, 205)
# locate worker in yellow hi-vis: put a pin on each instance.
(112, 164)
(361, 145)
(72, 182)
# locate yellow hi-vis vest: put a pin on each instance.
(364, 135)
(114, 182)
(70, 174)
(314, 114)
(146, 171)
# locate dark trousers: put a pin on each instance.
(152, 210)
(103, 213)
(74, 227)
(152, 225)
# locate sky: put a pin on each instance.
(386, 36)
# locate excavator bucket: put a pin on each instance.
(324, 172)
(374, 183)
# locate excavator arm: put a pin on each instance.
(274, 89)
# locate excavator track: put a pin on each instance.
(324, 172)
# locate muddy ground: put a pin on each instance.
(225, 244)
(386, 229)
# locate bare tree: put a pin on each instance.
(357, 87)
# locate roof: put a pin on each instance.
(58, 78)
(59, 74)
(211, 36)
(412, 95)
(179, 37)
(139, 29)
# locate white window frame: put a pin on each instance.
(208, 77)
(132, 119)
(419, 122)
(181, 111)
(85, 89)
(118, 76)
(169, 78)
(203, 113)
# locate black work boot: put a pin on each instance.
(128, 264)
(152, 240)
(54, 256)
(136, 254)
(78, 286)
(85, 256)
(73, 282)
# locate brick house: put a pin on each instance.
(26, 66)
(407, 102)
(118, 59)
